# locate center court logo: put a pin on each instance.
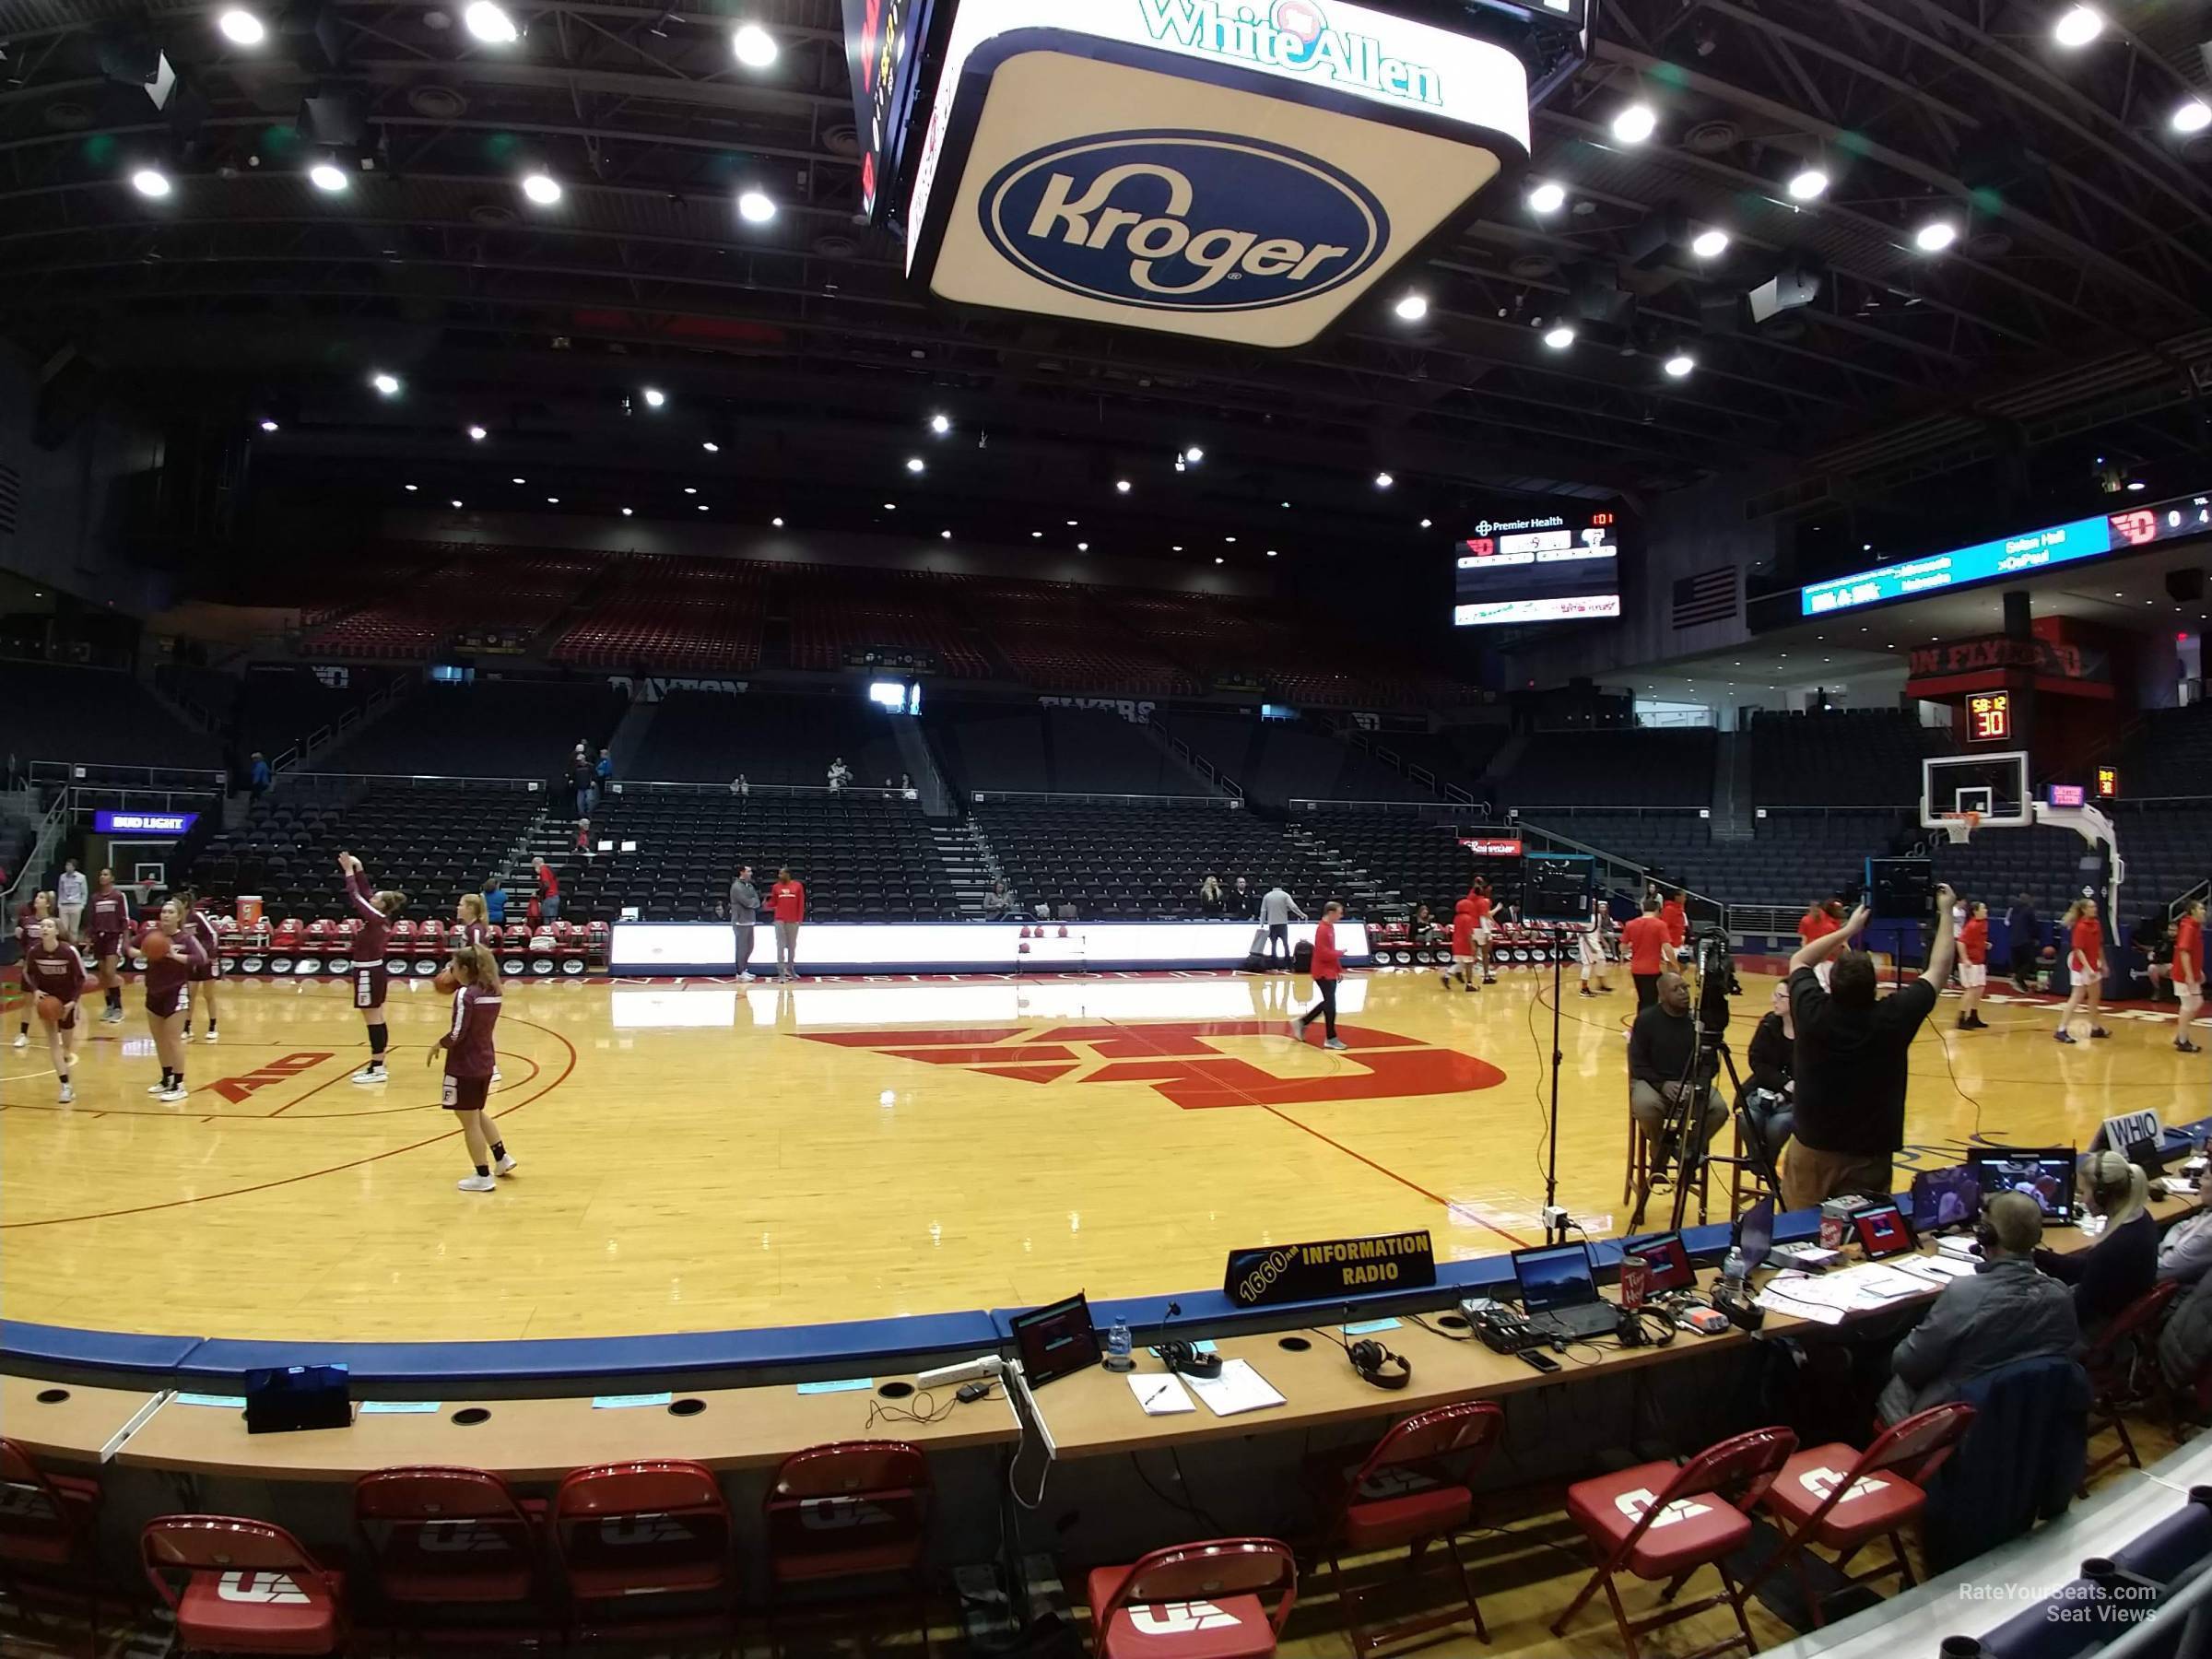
(1182, 220)
(1179, 1060)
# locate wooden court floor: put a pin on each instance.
(698, 1156)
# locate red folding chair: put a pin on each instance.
(855, 1509)
(625, 1534)
(1842, 1499)
(239, 1586)
(1661, 1522)
(2109, 1362)
(47, 1534)
(1194, 1601)
(443, 1540)
(1413, 1488)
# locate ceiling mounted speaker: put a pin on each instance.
(1711, 137)
(340, 119)
(1797, 283)
(2185, 587)
(437, 102)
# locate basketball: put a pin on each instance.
(447, 983)
(50, 1006)
(155, 946)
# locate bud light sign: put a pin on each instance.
(1195, 221)
(161, 825)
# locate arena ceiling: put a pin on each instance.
(2076, 299)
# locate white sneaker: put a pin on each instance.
(68, 1093)
(477, 1183)
(1335, 1042)
(188, 1034)
(22, 1039)
(211, 1037)
(175, 1092)
(745, 979)
(155, 1089)
(496, 1074)
(506, 1165)
(372, 1074)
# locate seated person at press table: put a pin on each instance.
(2185, 1248)
(2006, 1311)
(1851, 1068)
(1773, 1058)
(2124, 1263)
(1660, 1045)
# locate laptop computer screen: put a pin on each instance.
(2044, 1173)
(1882, 1232)
(1054, 1340)
(1557, 1276)
(1668, 1261)
(1949, 1197)
(1755, 1233)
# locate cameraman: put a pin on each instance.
(1660, 1045)
(1850, 1063)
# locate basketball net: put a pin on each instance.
(1960, 826)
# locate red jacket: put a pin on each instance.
(1462, 929)
(1676, 922)
(788, 901)
(1646, 939)
(1328, 962)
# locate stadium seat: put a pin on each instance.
(644, 1548)
(244, 1586)
(845, 1514)
(48, 1533)
(441, 1541)
(1194, 1601)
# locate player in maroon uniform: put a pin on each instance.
(467, 1047)
(469, 913)
(369, 973)
(52, 968)
(108, 923)
(200, 922)
(168, 995)
(27, 918)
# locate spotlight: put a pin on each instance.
(654, 398)
(409, 488)
(1635, 123)
(151, 182)
(755, 207)
(1559, 336)
(1425, 522)
(2193, 116)
(240, 27)
(541, 188)
(1547, 197)
(944, 536)
(1935, 236)
(1071, 525)
(456, 505)
(890, 506)
(1193, 455)
(1082, 547)
(625, 513)
(691, 489)
(775, 524)
(386, 384)
(268, 426)
(328, 177)
(553, 500)
(1219, 560)
(1271, 552)
(2077, 26)
(1709, 244)
(914, 463)
(516, 481)
(476, 434)
(1412, 308)
(1382, 481)
(754, 47)
(1036, 536)
(490, 23)
(1121, 486)
(1680, 364)
(1806, 185)
(702, 506)
(940, 424)
(711, 447)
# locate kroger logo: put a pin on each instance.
(1182, 221)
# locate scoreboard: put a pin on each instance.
(1989, 717)
(1552, 565)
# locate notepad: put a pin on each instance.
(1367, 1327)
(843, 1385)
(1239, 1388)
(228, 1402)
(625, 1401)
(1159, 1395)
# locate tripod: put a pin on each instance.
(1709, 1056)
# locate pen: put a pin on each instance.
(1156, 1395)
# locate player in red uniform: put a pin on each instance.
(371, 977)
(108, 923)
(2085, 966)
(200, 920)
(468, 1048)
(1973, 967)
(2189, 970)
(27, 918)
(52, 968)
(1645, 941)
(1676, 922)
(1328, 967)
(168, 995)
(1480, 893)
(787, 900)
(1463, 946)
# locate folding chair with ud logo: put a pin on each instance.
(644, 1548)
(847, 1513)
(46, 1534)
(241, 1586)
(453, 1549)
(1194, 1601)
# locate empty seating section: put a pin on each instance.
(1625, 768)
(2168, 847)
(434, 840)
(836, 612)
(994, 746)
(1456, 755)
(672, 614)
(482, 729)
(95, 715)
(1141, 861)
(1999, 864)
(1279, 762)
(711, 738)
(279, 708)
(1410, 858)
(862, 858)
(2171, 755)
(1055, 637)
(463, 587)
(1864, 756)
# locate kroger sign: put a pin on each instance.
(1239, 171)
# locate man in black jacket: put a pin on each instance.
(1661, 1044)
(2024, 929)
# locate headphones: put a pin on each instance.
(1185, 1359)
(1640, 1327)
(1372, 1361)
(1985, 1234)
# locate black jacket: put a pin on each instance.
(2020, 1462)
(2120, 1267)
(1772, 1055)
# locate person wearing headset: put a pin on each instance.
(2124, 1263)
(2008, 1311)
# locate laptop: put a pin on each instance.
(2044, 1173)
(1883, 1232)
(1946, 1197)
(1754, 1234)
(1666, 1262)
(1558, 1292)
(1056, 1340)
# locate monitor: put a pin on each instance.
(2044, 1173)
(1558, 1275)
(1054, 1340)
(1883, 1232)
(1755, 1233)
(2148, 1155)
(1946, 1197)
(1559, 563)
(1665, 1260)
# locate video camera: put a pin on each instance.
(1714, 967)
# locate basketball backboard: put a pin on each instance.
(1994, 787)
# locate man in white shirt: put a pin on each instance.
(70, 894)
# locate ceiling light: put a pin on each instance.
(409, 488)
(1121, 486)
(2135, 484)
(711, 447)
(754, 47)
(151, 182)
(1807, 183)
(1082, 547)
(1176, 549)
(1935, 236)
(1193, 455)
(1071, 525)
(1680, 364)
(691, 489)
(516, 481)
(328, 177)
(1425, 524)
(541, 188)
(940, 424)
(1382, 481)
(2077, 26)
(890, 506)
(913, 463)
(456, 505)
(1036, 534)
(944, 536)
(1547, 197)
(702, 506)
(240, 27)
(386, 384)
(1635, 123)
(268, 426)
(1709, 244)
(489, 23)
(1559, 337)
(755, 207)
(1218, 560)
(625, 513)
(553, 500)
(776, 524)
(1412, 308)
(476, 434)
(2193, 116)
(654, 398)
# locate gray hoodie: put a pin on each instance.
(744, 902)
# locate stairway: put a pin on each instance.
(1732, 819)
(921, 766)
(966, 858)
(1503, 763)
(1353, 884)
(629, 734)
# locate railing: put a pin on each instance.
(1444, 811)
(1638, 873)
(2202, 889)
(1196, 761)
(43, 843)
(1102, 797)
(1763, 918)
(623, 786)
(322, 737)
(66, 774)
(342, 778)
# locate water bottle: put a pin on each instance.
(1118, 1346)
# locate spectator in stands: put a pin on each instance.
(1973, 967)
(579, 783)
(2185, 1344)
(2189, 970)
(2085, 967)
(603, 773)
(2124, 1263)
(997, 901)
(740, 785)
(1644, 938)
(583, 839)
(1066, 912)
(1328, 967)
(1243, 905)
(70, 893)
(2025, 930)
(2004, 1312)
(548, 892)
(495, 901)
(787, 899)
(1209, 896)
(1276, 909)
(907, 791)
(744, 909)
(1851, 1060)
(1769, 1095)
(258, 776)
(2185, 1248)
(839, 774)
(1661, 1045)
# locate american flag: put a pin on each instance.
(1709, 596)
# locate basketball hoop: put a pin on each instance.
(1960, 826)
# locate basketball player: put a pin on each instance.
(1463, 946)
(475, 928)
(1645, 941)
(371, 977)
(169, 973)
(204, 980)
(787, 901)
(1481, 895)
(1593, 948)
(1973, 967)
(2085, 967)
(468, 1048)
(2189, 969)
(53, 969)
(109, 922)
(1676, 922)
(28, 919)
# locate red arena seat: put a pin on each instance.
(644, 1547)
(241, 1586)
(1194, 1601)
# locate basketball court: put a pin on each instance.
(698, 1156)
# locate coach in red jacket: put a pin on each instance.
(1328, 967)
